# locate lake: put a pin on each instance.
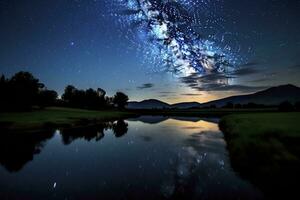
(143, 158)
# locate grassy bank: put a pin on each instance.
(265, 149)
(56, 117)
(67, 117)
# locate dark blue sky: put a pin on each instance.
(85, 43)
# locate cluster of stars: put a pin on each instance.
(165, 32)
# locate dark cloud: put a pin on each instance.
(245, 71)
(195, 78)
(296, 66)
(190, 94)
(145, 86)
(226, 87)
(163, 92)
(164, 95)
(260, 80)
(219, 82)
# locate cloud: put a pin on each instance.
(245, 71)
(219, 82)
(164, 92)
(260, 80)
(296, 66)
(190, 94)
(225, 87)
(164, 95)
(145, 86)
(194, 79)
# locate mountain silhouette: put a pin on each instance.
(148, 104)
(271, 96)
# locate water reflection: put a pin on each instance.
(159, 158)
(17, 149)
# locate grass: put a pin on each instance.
(263, 130)
(265, 149)
(256, 124)
(55, 117)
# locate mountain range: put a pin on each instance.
(271, 96)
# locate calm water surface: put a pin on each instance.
(144, 158)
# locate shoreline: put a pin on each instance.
(264, 148)
(57, 117)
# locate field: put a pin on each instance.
(56, 117)
(264, 148)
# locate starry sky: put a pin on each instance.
(172, 50)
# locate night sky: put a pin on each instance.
(173, 50)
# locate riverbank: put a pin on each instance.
(264, 148)
(55, 117)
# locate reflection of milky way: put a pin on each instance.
(169, 32)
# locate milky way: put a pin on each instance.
(169, 34)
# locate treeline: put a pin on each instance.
(92, 99)
(23, 91)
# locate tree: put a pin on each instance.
(23, 90)
(3, 93)
(101, 92)
(92, 99)
(238, 106)
(47, 98)
(213, 106)
(228, 105)
(88, 99)
(2, 79)
(286, 107)
(121, 100)
(69, 94)
(297, 106)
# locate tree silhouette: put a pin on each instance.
(120, 128)
(88, 99)
(23, 91)
(20, 92)
(47, 98)
(120, 99)
(286, 106)
(297, 106)
(69, 94)
(228, 105)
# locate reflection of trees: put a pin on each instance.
(120, 128)
(17, 149)
(87, 133)
(96, 133)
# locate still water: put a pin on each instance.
(144, 158)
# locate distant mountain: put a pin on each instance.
(156, 104)
(271, 96)
(148, 104)
(186, 105)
